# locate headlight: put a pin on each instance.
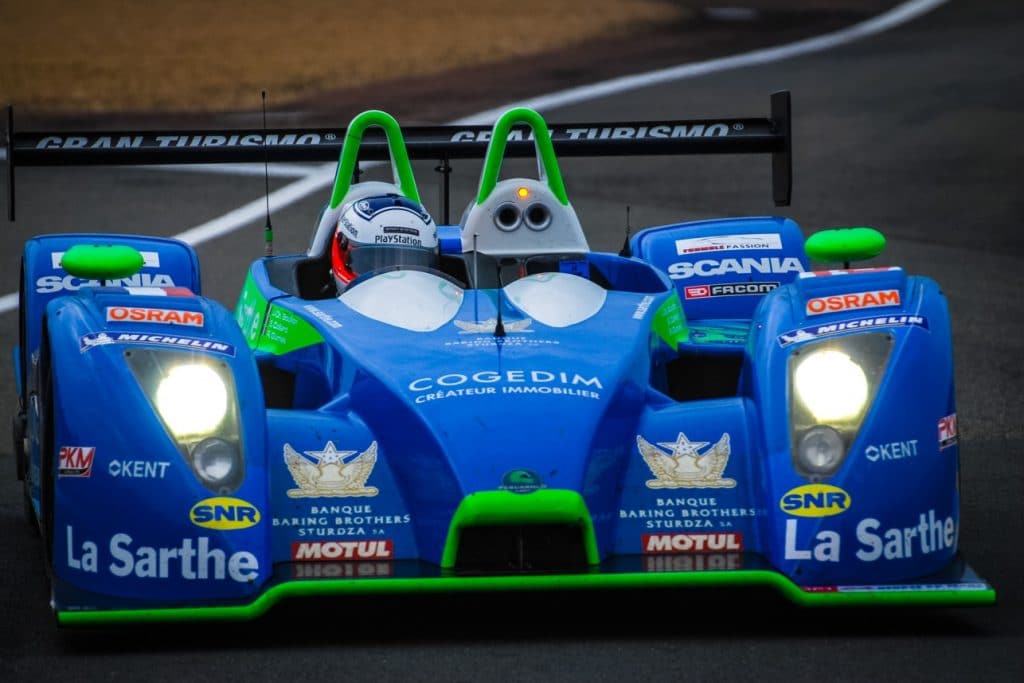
(194, 395)
(192, 400)
(831, 385)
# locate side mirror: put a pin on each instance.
(845, 244)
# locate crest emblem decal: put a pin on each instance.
(683, 466)
(488, 326)
(329, 475)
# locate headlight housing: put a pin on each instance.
(195, 398)
(832, 384)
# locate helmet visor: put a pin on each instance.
(364, 259)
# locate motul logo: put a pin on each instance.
(164, 316)
(343, 550)
(692, 543)
(846, 302)
(75, 461)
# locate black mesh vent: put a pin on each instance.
(694, 378)
(521, 548)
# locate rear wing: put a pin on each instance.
(771, 135)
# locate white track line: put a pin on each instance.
(323, 175)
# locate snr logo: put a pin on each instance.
(225, 514)
(815, 500)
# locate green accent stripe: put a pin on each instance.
(543, 506)
(400, 165)
(711, 579)
(542, 142)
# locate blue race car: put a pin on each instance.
(514, 411)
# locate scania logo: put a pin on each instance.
(741, 266)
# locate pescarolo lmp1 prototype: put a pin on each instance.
(701, 409)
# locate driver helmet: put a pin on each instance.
(380, 232)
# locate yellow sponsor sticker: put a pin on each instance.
(224, 513)
(815, 500)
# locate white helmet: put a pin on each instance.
(381, 232)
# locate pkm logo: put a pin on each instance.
(815, 500)
(75, 461)
(224, 514)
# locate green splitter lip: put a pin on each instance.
(845, 244)
(102, 261)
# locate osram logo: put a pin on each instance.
(847, 302)
(225, 514)
(75, 461)
(815, 500)
(163, 316)
(317, 551)
(692, 543)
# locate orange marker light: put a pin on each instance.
(522, 193)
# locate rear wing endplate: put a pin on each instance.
(771, 135)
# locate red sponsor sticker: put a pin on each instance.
(75, 461)
(698, 292)
(164, 316)
(948, 434)
(321, 551)
(692, 543)
(853, 301)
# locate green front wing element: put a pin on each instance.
(400, 165)
(845, 244)
(547, 163)
(102, 261)
(891, 596)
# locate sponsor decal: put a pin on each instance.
(847, 302)
(895, 450)
(75, 461)
(159, 291)
(224, 514)
(511, 382)
(323, 316)
(521, 481)
(488, 326)
(191, 560)
(398, 239)
(690, 512)
(948, 434)
(741, 266)
(401, 229)
(48, 284)
(697, 245)
(337, 521)
(163, 141)
(641, 308)
(815, 500)
(682, 465)
(928, 535)
(656, 131)
(320, 551)
(138, 469)
(692, 543)
(729, 289)
(163, 316)
(854, 325)
(330, 473)
(350, 569)
(898, 588)
(847, 271)
(150, 259)
(694, 562)
(90, 341)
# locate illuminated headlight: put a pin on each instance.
(192, 400)
(831, 385)
(820, 450)
(217, 462)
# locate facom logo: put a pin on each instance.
(815, 500)
(225, 514)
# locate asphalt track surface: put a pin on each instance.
(911, 131)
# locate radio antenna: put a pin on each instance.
(268, 229)
(499, 326)
(476, 282)
(626, 251)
